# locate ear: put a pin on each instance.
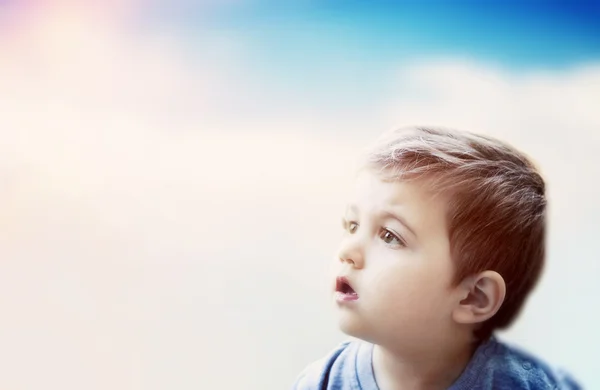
(480, 298)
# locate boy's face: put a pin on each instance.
(395, 256)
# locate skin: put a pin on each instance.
(395, 254)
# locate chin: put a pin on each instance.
(350, 324)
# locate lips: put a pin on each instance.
(344, 291)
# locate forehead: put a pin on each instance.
(417, 203)
(372, 188)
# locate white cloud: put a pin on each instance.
(132, 218)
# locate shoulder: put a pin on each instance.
(505, 366)
(317, 374)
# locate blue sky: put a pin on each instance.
(517, 34)
(323, 50)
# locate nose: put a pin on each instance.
(351, 252)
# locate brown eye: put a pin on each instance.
(349, 226)
(352, 226)
(390, 238)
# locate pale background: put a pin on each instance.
(172, 178)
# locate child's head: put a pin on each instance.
(445, 236)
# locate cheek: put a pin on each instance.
(410, 288)
(400, 290)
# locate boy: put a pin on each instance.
(444, 240)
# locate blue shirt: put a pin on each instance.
(494, 365)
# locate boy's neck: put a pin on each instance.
(437, 368)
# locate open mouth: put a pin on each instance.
(344, 290)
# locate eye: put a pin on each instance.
(352, 226)
(349, 226)
(390, 238)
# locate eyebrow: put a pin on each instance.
(388, 214)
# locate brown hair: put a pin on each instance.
(497, 204)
